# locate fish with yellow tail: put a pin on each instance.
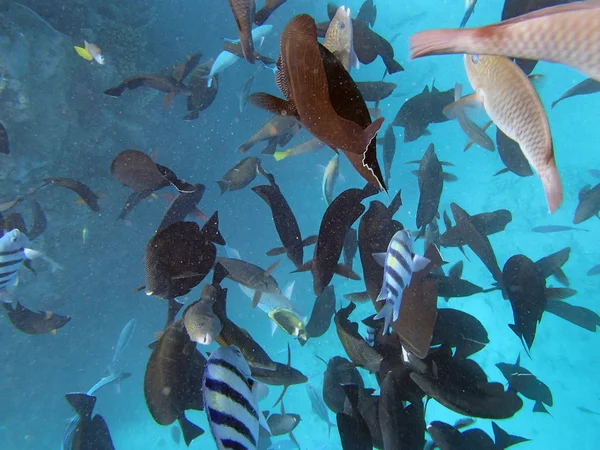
(90, 52)
(566, 34)
(512, 103)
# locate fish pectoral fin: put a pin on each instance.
(276, 251)
(83, 53)
(449, 177)
(346, 272)
(501, 172)
(357, 297)
(256, 298)
(420, 262)
(455, 109)
(273, 104)
(271, 268)
(189, 430)
(380, 258)
(168, 99)
(311, 240)
(306, 267)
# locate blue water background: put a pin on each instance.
(96, 287)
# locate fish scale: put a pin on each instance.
(512, 103)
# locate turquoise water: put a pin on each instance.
(60, 124)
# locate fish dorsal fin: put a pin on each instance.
(272, 268)
(425, 90)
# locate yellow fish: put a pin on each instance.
(90, 52)
(289, 321)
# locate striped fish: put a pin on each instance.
(231, 401)
(399, 263)
(13, 253)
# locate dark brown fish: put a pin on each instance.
(4, 144)
(353, 428)
(137, 171)
(243, 12)
(84, 192)
(285, 223)
(512, 156)
(589, 204)
(423, 109)
(476, 241)
(525, 287)
(173, 380)
(201, 96)
(171, 85)
(183, 205)
(350, 247)
(339, 372)
(280, 424)
(553, 263)
(460, 330)
(486, 223)
(304, 80)
(322, 313)
(367, 13)
(374, 91)
(577, 315)
(236, 49)
(265, 12)
(32, 322)
(357, 349)
(39, 221)
(240, 175)
(431, 184)
(586, 87)
(337, 220)
(179, 257)
(389, 151)
(91, 433)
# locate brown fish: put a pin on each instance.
(85, 193)
(32, 322)
(374, 91)
(240, 175)
(303, 80)
(137, 171)
(513, 104)
(201, 96)
(565, 34)
(243, 12)
(265, 12)
(237, 50)
(275, 126)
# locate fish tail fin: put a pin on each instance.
(435, 42)
(504, 440)
(281, 155)
(244, 147)
(371, 131)
(83, 53)
(224, 185)
(83, 404)
(552, 186)
(385, 313)
(189, 430)
(211, 230)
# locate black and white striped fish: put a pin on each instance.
(13, 253)
(399, 263)
(231, 401)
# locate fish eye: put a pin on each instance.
(475, 59)
(342, 26)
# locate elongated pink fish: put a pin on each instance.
(566, 34)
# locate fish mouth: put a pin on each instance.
(149, 292)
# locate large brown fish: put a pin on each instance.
(303, 80)
(513, 104)
(565, 34)
(265, 12)
(243, 12)
(32, 322)
(275, 126)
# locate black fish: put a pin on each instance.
(285, 223)
(32, 322)
(455, 328)
(84, 192)
(183, 205)
(421, 110)
(389, 150)
(284, 423)
(512, 156)
(461, 385)
(375, 91)
(447, 437)
(527, 384)
(265, 12)
(354, 430)
(577, 315)
(240, 175)
(4, 147)
(283, 375)
(201, 95)
(368, 407)
(525, 287)
(587, 86)
(337, 220)
(339, 372)
(350, 247)
(39, 221)
(91, 433)
(173, 380)
(357, 349)
(180, 256)
(171, 85)
(589, 204)
(454, 287)
(401, 428)
(137, 171)
(322, 313)
(485, 223)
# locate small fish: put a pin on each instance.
(329, 178)
(594, 270)
(274, 127)
(34, 322)
(240, 175)
(84, 234)
(338, 39)
(90, 52)
(243, 95)
(318, 406)
(399, 263)
(589, 204)
(201, 323)
(231, 401)
(513, 104)
(469, 9)
(124, 340)
(84, 192)
(588, 86)
(289, 321)
(555, 229)
(309, 146)
(538, 35)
